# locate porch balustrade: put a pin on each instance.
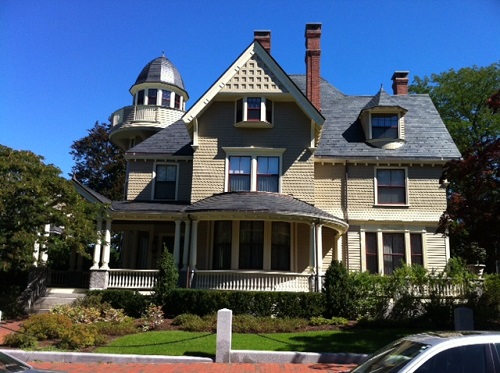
(252, 281)
(132, 278)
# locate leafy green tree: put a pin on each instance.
(338, 290)
(461, 98)
(99, 164)
(168, 276)
(33, 194)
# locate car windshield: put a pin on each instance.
(392, 357)
(8, 364)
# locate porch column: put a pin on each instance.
(338, 238)
(185, 256)
(312, 248)
(97, 247)
(319, 249)
(106, 249)
(194, 245)
(177, 242)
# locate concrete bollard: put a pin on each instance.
(224, 335)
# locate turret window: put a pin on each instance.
(140, 97)
(152, 94)
(165, 98)
(177, 101)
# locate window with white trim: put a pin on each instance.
(165, 185)
(253, 173)
(254, 109)
(394, 251)
(390, 186)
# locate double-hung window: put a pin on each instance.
(391, 186)
(267, 174)
(165, 181)
(165, 98)
(394, 251)
(239, 173)
(385, 126)
(416, 249)
(371, 252)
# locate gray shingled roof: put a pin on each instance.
(172, 140)
(382, 99)
(161, 70)
(342, 136)
(147, 207)
(259, 202)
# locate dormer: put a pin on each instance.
(382, 120)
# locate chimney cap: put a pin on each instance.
(400, 74)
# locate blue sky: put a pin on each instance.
(66, 64)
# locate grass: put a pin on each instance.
(179, 343)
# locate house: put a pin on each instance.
(268, 177)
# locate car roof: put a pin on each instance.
(455, 338)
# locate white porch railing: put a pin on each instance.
(143, 113)
(252, 281)
(132, 278)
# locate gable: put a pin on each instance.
(254, 76)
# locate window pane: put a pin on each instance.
(269, 111)
(416, 249)
(140, 97)
(177, 101)
(222, 244)
(253, 108)
(165, 181)
(384, 126)
(394, 251)
(152, 93)
(371, 252)
(267, 174)
(239, 173)
(280, 246)
(391, 186)
(251, 244)
(165, 98)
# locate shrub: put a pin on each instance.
(338, 291)
(132, 303)
(80, 336)
(20, 340)
(168, 277)
(195, 323)
(318, 321)
(124, 327)
(153, 318)
(46, 325)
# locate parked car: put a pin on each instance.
(9, 363)
(443, 352)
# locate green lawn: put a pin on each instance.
(179, 343)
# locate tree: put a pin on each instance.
(467, 100)
(461, 98)
(99, 164)
(168, 276)
(33, 195)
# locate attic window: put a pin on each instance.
(254, 112)
(385, 126)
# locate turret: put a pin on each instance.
(158, 100)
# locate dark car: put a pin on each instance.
(443, 352)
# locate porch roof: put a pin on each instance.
(264, 204)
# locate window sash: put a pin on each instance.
(267, 174)
(152, 94)
(253, 109)
(280, 246)
(165, 98)
(371, 252)
(384, 126)
(140, 97)
(394, 251)
(391, 186)
(165, 181)
(239, 173)
(251, 253)
(416, 249)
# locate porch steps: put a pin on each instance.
(56, 296)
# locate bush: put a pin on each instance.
(338, 291)
(46, 325)
(132, 303)
(168, 277)
(153, 318)
(81, 336)
(318, 321)
(20, 340)
(124, 327)
(195, 323)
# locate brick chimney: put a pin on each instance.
(313, 54)
(400, 82)
(264, 38)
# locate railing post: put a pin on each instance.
(224, 336)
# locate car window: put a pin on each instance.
(463, 359)
(391, 358)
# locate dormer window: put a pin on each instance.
(385, 126)
(254, 112)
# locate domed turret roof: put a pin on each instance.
(160, 70)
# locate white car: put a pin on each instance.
(443, 352)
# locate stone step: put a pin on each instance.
(56, 296)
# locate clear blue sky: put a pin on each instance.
(66, 64)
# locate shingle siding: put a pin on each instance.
(140, 176)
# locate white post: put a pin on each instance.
(224, 336)
(106, 252)
(319, 249)
(177, 242)
(97, 247)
